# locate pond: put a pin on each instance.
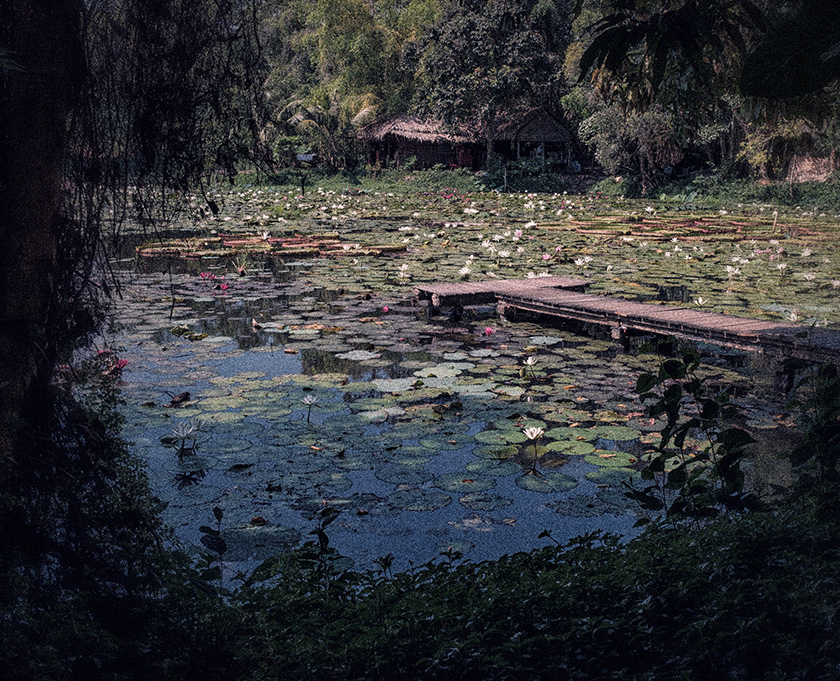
(320, 381)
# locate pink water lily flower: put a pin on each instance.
(488, 330)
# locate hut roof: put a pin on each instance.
(537, 125)
(417, 130)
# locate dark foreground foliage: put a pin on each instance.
(755, 598)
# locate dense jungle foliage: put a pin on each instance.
(113, 109)
(650, 88)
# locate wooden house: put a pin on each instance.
(392, 141)
(536, 134)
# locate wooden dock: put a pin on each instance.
(562, 298)
(488, 292)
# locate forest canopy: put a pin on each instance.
(710, 85)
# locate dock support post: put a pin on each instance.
(505, 311)
(619, 335)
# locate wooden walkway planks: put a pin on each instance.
(771, 337)
(487, 292)
(563, 297)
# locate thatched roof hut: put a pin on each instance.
(429, 142)
(415, 129)
(536, 134)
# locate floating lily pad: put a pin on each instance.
(544, 340)
(500, 437)
(483, 501)
(610, 459)
(547, 483)
(513, 391)
(569, 433)
(570, 447)
(496, 452)
(484, 352)
(418, 500)
(615, 433)
(440, 371)
(229, 445)
(381, 415)
(396, 385)
(464, 482)
(613, 476)
(359, 355)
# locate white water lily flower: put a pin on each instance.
(533, 433)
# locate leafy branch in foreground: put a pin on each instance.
(694, 471)
(816, 459)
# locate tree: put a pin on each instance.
(38, 91)
(800, 53)
(488, 57)
(106, 106)
(681, 56)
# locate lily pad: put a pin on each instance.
(610, 459)
(440, 371)
(418, 500)
(464, 482)
(500, 437)
(615, 433)
(570, 447)
(610, 476)
(400, 474)
(483, 501)
(569, 433)
(546, 484)
(497, 452)
(359, 355)
(544, 340)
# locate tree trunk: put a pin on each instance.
(43, 38)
